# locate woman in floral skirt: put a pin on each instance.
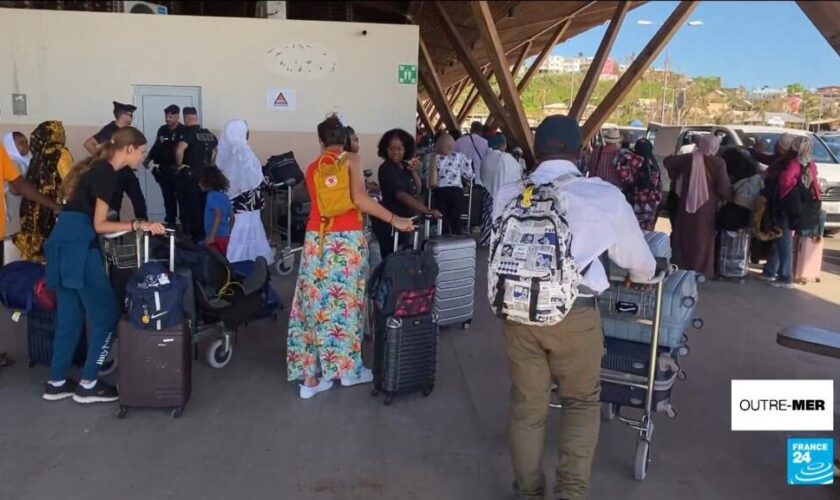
(328, 312)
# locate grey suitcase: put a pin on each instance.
(734, 254)
(622, 307)
(455, 286)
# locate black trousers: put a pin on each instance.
(166, 177)
(385, 236)
(191, 201)
(450, 201)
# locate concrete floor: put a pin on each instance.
(245, 434)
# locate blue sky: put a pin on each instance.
(742, 42)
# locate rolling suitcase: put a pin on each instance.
(40, 336)
(155, 368)
(807, 261)
(734, 254)
(621, 307)
(624, 371)
(455, 285)
(156, 361)
(405, 332)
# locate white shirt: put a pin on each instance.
(452, 168)
(687, 148)
(600, 220)
(497, 169)
(474, 147)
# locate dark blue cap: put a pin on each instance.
(557, 134)
(496, 141)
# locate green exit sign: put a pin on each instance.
(407, 74)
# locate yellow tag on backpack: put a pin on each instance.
(332, 190)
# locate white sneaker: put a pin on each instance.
(779, 284)
(365, 378)
(308, 392)
(769, 279)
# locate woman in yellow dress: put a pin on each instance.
(51, 161)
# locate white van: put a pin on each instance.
(668, 139)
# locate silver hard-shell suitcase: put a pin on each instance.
(455, 288)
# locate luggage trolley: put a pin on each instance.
(279, 201)
(650, 316)
(125, 250)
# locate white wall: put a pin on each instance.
(71, 65)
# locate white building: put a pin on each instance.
(561, 64)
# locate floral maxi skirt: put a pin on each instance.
(328, 311)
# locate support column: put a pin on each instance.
(584, 94)
(424, 117)
(431, 82)
(637, 68)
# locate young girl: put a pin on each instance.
(218, 212)
(76, 270)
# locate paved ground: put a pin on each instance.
(245, 434)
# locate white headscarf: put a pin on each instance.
(11, 149)
(236, 159)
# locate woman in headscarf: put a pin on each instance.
(17, 146)
(50, 163)
(799, 196)
(641, 182)
(701, 182)
(244, 171)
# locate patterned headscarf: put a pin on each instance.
(49, 158)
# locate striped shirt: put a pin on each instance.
(602, 163)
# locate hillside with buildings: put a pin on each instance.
(669, 97)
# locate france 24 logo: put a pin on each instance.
(810, 461)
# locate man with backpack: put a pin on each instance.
(544, 288)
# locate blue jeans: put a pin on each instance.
(780, 263)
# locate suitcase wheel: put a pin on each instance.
(30, 364)
(683, 350)
(176, 413)
(121, 412)
(389, 399)
(285, 264)
(467, 324)
(701, 279)
(427, 391)
(608, 411)
(697, 323)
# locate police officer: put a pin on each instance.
(195, 151)
(127, 182)
(163, 155)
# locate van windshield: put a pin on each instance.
(821, 152)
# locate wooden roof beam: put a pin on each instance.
(470, 65)
(517, 121)
(535, 66)
(431, 82)
(424, 117)
(584, 94)
(516, 67)
(637, 68)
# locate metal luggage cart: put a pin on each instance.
(128, 250)
(278, 202)
(650, 316)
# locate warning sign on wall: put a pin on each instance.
(280, 99)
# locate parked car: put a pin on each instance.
(669, 139)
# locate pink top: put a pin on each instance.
(790, 176)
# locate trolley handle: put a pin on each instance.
(659, 278)
(290, 182)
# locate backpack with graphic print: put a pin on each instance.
(332, 190)
(532, 278)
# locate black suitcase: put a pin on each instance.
(155, 368)
(625, 363)
(40, 333)
(405, 355)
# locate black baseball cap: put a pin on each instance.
(189, 110)
(558, 134)
(172, 109)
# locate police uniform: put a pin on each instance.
(201, 143)
(163, 154)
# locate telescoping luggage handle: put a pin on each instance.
(416, 244)
(144, 249)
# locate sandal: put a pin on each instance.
(6, 360)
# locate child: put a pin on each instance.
(218, 212)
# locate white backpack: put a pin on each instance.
(532, 277)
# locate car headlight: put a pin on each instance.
(823, 185)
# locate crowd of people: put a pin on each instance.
(215, 189)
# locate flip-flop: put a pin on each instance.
(6, 360)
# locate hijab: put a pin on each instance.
(698, 186)
(644, 148)
(47, 145)
(21, 161)
(804, 148)
(236, 159)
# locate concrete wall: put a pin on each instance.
(71, 65)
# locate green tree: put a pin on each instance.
(796, 89)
